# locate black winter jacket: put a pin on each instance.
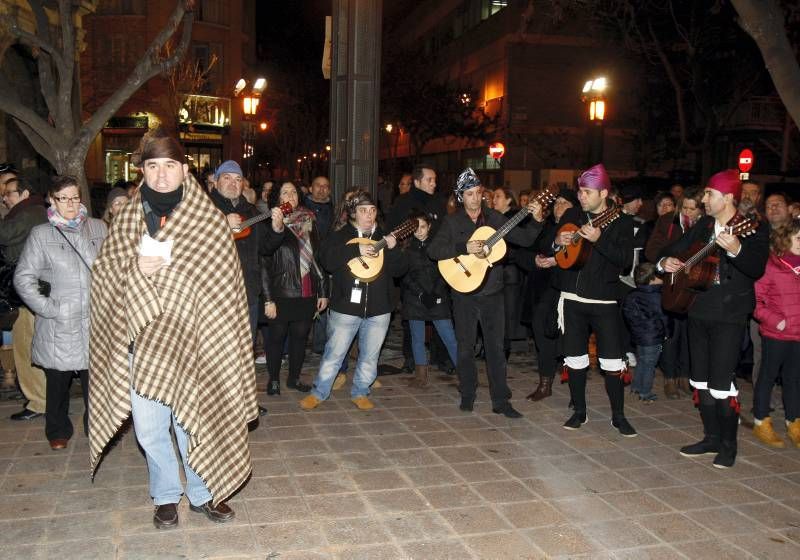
(281, 266)
(250, 247)
(733, 299)
(375, 298)
(417, 200)
(324, 213)
(423, 278)
(647, 323)
(611, 254)
(456, 229)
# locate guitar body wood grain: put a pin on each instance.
(365, 269)
(466, 273)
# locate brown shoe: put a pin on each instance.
(166, 516)
(671, 389)
(683, 385)
(56, 444)
(219, 513)
(544, 390)
(420, 378)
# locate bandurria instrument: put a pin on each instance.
(577, 252)
(465, 273)
(243, 230)
(367, 269)
(699, 268)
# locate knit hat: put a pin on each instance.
(570, 195)
(596, 178)
(727, 182)
(229, 166)
(466, 180)
(115, 193)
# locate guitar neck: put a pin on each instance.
(508, 226)
(254, 220)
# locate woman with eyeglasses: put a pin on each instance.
(53, 278)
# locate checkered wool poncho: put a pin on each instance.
(193, 347)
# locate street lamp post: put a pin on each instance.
(593, 95)
(250, 103)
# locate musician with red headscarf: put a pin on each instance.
(719, 314)
(590, 297)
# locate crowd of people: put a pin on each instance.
(157, 308)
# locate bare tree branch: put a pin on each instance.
(43, 146)
(148, 67)
(12, 105)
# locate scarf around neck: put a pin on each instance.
(300, 222)
(60, 221)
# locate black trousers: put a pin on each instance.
(674, 361)
(488, 311)
(57, 424)
(297, 332)
(778, 358)
(546, 347)
(714, 351)
(604, 319)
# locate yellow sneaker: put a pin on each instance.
(766, 433)
(376, 384)
(363, 403)
(309, 403)
(340, 380)
(793, 429)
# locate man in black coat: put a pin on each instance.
(718, 316)
(589, 298)
(486, 304)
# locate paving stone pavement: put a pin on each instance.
(417, 479)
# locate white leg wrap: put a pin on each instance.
(609, 364)
(577, 362)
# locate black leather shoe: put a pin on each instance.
(508, 411)
(274, 388)
(298, 385)
(625, 429)
(466, 404)
(26, 414)
(220, 513)
(576, 421)
(166, 516)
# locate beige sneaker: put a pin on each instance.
(793, 429)
(376, 384)
(309, 403)
(340, 380)
(363, 403)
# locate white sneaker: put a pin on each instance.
(261, 359)
(631, 359)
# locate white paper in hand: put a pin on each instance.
(153, 248)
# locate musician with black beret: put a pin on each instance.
(484, 305)
(590, 291)
(719, 314)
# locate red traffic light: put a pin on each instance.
(497, 150)
(746, 160)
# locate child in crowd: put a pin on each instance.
(648, 326)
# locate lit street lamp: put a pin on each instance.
(593, 95)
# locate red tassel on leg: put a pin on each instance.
(696, 398)
(564, 374)
(625, 376)
(735, 404)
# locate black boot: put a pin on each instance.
(728, 418)
(273, 387)
(711, 430)
(297, 385)
(577, 390)
(615, 389)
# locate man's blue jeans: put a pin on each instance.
(446, 332)
(342, 329)
(152, 421)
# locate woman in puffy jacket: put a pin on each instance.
(53, 277)
(294, 286)
(426, 297)
(778, 313)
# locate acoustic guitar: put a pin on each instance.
(699, 268)
(367, 269)
(577, 252)
(466, 273)
(243, 230)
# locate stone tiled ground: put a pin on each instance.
(417, 478)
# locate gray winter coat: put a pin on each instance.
(61, 330)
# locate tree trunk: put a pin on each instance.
(75, 167)
(763, 20)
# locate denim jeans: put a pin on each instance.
(646, 360)
(342, 329)
(446, 332)
(152, 421)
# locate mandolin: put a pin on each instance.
(577, 252)
(243, 230)
(699, 268)
(465, 273)
(367, 269)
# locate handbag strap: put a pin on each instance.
(89, 268)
